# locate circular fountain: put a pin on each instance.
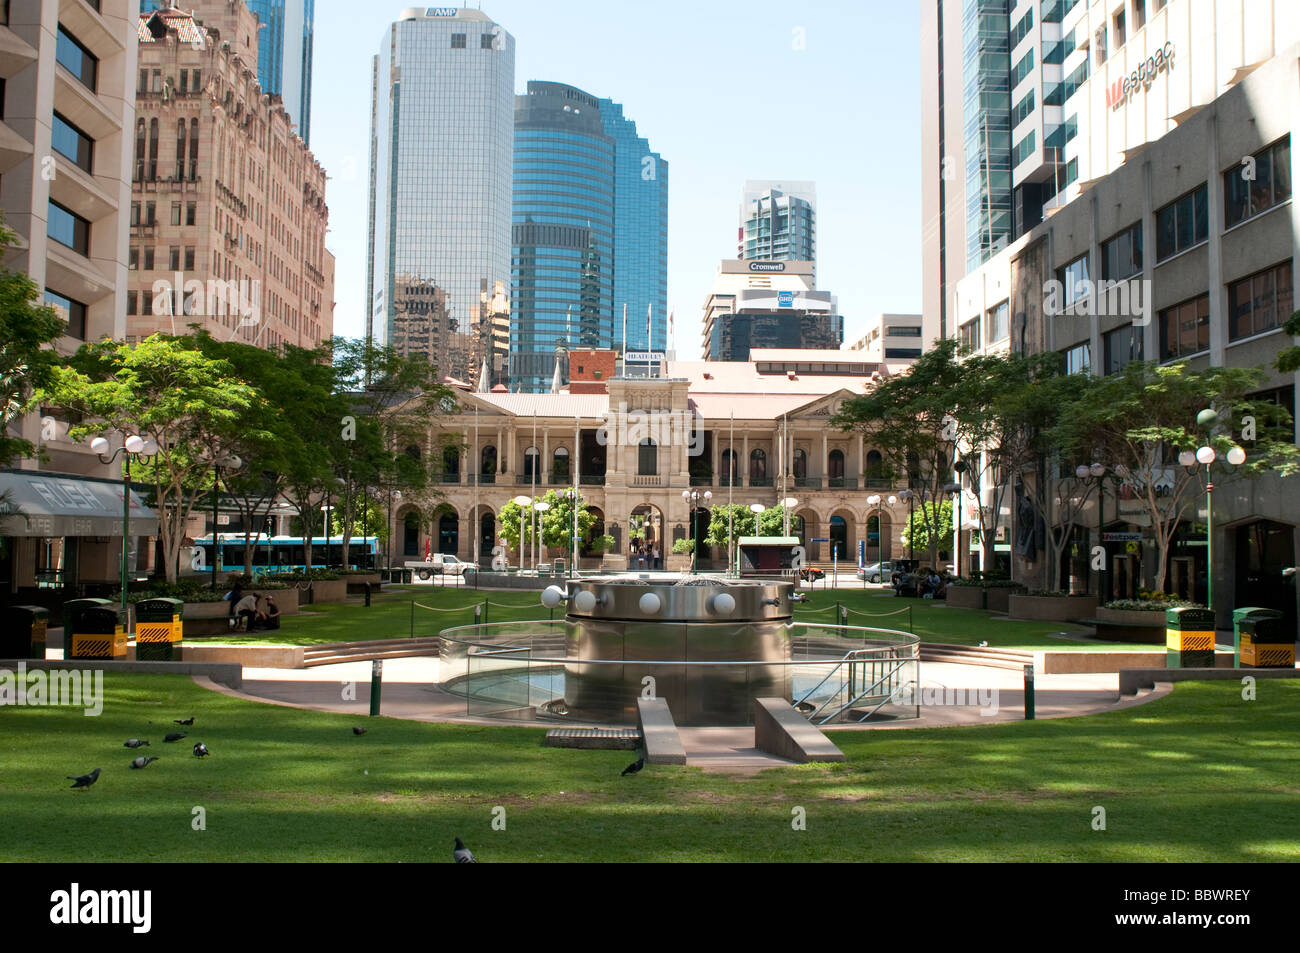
(653, 626)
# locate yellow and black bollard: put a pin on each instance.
(1262, 638)
(1189, 638)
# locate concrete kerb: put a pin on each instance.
(663, 745)
(782, 731)
(1133, 680)
(230, 674)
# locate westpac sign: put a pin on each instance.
(1141, 78)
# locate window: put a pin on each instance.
(174, 258)
(902, 331)
(1283, 397)
(1121, 257)
(757, 465)
(68, 228)
(560, 464)
(194, 150)
(901, 353)
(135, 213)
(1078, 359)
(130, 302)
(1100, 45)
(1260, 302)
(647, 458)
(1023, 109)
(149, 210)
(800, 465)
(1024, 149)
(1139, 14)
(133, 259)
(999, 321)
(190, 209)
(458, 41)
(1072, 278)
(1244, 196)
(148, 258)
(73, 312)
(1185, 328)
(146, 302)
(71, 143)
(1022, 27)
(1121, 346)
(1023, 67)
(1120, 33)
(969, 335)
(176, 213)
(189, 258)
(76, 59)
(485, 41)
(1182, 224)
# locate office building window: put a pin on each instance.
(73, 312)
(71, 143)
(901, 331)
(458, 41)
(901, 353)
(1183, 223)
(130, 302)
(146, 302)
(1259, 303)
(1022, 68)
(1252, 187)
(1078, 359)
(1120, 33)
(1121, 257)
(189, 258)
(133, 258)
(76, 59)
(968, 335)
(176, 213)
(1099, 44)
(1139, 14)
(190, 211)
(148, 258)
(68, 228)
(1024, 149)
(1072, 278)
(1120, 347)
(1283, 397)
(1022, 27)
(999, 322)
(174, 258)
(485, 41)
(149, 210)
(1023, 109)
(1185, 329)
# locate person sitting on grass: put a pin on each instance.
(246, 611)
(268, 614)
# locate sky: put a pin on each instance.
(724, 90)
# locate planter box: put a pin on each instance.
(966, 597)
(1154, 618)
(1000, 598)
(328, 590)
(1050, 608)
(210, 618)
(356, 582)
(678, 562)
(1132, 625)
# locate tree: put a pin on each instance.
(26, 362)
(909, 419)
(1288, 358)
(162, 388)
(770, 522)
(557, 522)
(922, 524)
(1143, 420)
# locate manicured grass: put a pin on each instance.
(1200, 776)
(390, 616)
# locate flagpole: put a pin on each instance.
(624, 338)
(577, 482)
(474, 527)
(731, 468)
(537, 466)
(649, 343)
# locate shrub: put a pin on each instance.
(301, 575)
(1148, 604)
(684, 546)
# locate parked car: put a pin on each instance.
(877, 572)
(439, 564)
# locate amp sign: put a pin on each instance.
(1141, 78)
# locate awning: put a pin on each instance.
(65, 505)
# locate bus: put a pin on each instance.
(274, 554)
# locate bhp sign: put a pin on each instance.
(1141, 78)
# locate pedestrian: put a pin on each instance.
(233, 597)
(658, 562)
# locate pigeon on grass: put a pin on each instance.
(176, 736)
(201, 750)
(136, 743)
(462, 854)
(187, 722)
(634, 767)
(142, 762)
(85, 780)
(356, 730)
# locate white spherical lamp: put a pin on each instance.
(724, 603)
(99, 445)
(584, 601)
(1205, 455)
(552, 596)
(650, 604)
(134, 444)
(1236, 456)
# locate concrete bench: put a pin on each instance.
(782, 731)
(1133, 680)
(663, 745)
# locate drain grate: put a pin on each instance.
(628, 739)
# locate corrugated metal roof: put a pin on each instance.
(741, 377)
(549, 405)
(720, 407)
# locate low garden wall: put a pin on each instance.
(1050, 608)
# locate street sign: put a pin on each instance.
(820, 539)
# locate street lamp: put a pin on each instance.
(388, 548)
(787, 505)
(541, 507)
(757, 509)
(1098, 472)
(1206, 455)
(231, 462)
(140, 448)
(693, 499)
(909, 495)
(524, 503)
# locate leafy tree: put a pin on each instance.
(922, 525)
(1141, 420)
(556, 522)
(1288, 358)
(26, 363)
(771, 522)
(164, 389)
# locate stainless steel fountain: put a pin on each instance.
(651, 625)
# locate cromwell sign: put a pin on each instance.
(1118, 92)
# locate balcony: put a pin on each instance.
(701, 479)
(811, 483)
(731, 481)
(449, 478)
(760, 481)
(482, 479)
(844, 483)
(561, 479)
(592, 479)
(650, 479)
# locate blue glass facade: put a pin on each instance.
(284, 47)
(562, 232)
(986, 78)
(640, 234)
(441, 158)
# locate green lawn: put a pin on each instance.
(1199, 776)
(390, 616)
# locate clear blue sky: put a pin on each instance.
(721, 91)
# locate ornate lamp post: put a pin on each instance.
(541, 506)
(231, 462)
(134, 447)
(1098, 472)
(1205, 456)
(910, 496)
(524, 503)
(693, 499)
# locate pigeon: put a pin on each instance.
(634, 767)
(85, 780)
(982, 645)
(142, 762)
(358, 731)
(201, 750)
(804, 707)
(136, 743)
(187, 722)
(462, 854)
(176, 736)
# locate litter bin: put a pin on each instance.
(22, 631)
(1261, 639)
(94, 628)
(1189, 638)
(158, 629)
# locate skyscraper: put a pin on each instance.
(284, 55)
(441, 160)
(562, 237)
(778, 222)
(640, 235)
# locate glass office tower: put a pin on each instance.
(640, 235)
(778, 222)
(562, 235)
(986, 49)
(441, 158)
(284, 45)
